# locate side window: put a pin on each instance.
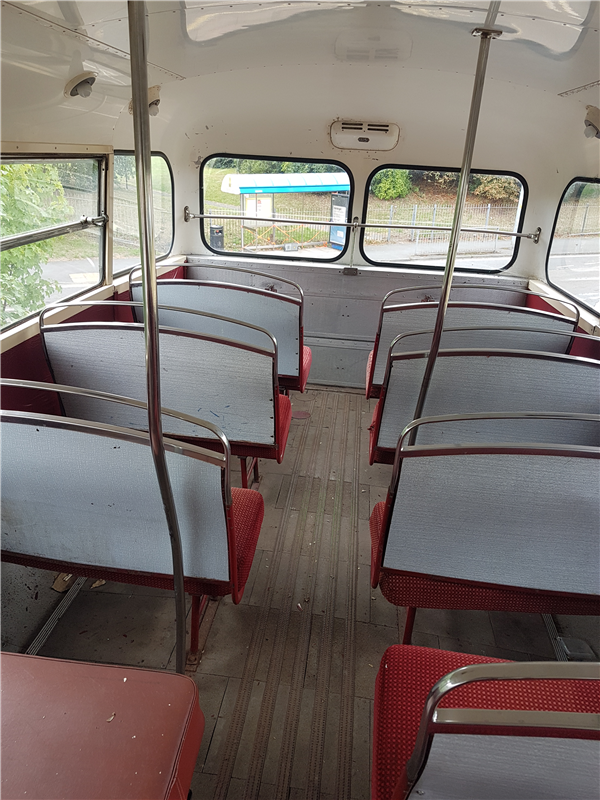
(296, 200)
(423, 200)
(126, 236)
(574, 255)
(47, 253)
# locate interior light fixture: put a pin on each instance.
(592, 122)
(80, 85)
(153, 101)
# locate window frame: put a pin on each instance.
(563, 291)
(280, 256)
(160, 258)
(43, 157)
(439, 269)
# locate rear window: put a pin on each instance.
(279, 208)
(422, 201)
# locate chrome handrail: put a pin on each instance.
(130, 401)
(136, 11)
(354, 225)
(29, 237)
(138, 304)
(228, 268)
(487, 34)
(541, 670)
(522, 448)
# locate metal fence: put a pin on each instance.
(579, 219)
(253, 236)
(493, 218)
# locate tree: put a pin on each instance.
(496, 187)
(388, 184)
(31, 197)
(124, 170)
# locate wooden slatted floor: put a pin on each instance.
(286, 678)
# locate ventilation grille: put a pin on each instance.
(350, 135)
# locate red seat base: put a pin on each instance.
(74, 730)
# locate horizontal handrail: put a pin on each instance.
(571, 334)
(403, 449)
(188, 215)
(130, 401)
(229, 268)
(29, 237)
(139, 304)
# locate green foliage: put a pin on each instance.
(223, 163)
(388, 184)
(443, 180)
(257, 166)
(31, 197)
(495, 187)
(499, 188)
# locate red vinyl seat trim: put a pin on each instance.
(305, 366)
(248, 510)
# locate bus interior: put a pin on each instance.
(300, 398)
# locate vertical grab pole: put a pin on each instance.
(487, 34)
(141, 132)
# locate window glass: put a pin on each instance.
(308, 192)
(574, 256)
(126, 236)
(424, 201)
(37, 195)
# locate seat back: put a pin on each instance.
(399, 319)
(509, 768)
(237, 271)
(540, 339)
(280, 314)
(232, 384)
(85, 492)
(517, 515)
(469, 381)
(468, 751)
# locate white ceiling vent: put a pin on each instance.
(364, 135)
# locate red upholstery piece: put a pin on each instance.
(405, 677)
(284, 420)
(74, 730)
(429, 591)
(378, 455)
(368, 375)
(248, 510)
(305, 366)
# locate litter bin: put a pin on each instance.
(217, 239)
